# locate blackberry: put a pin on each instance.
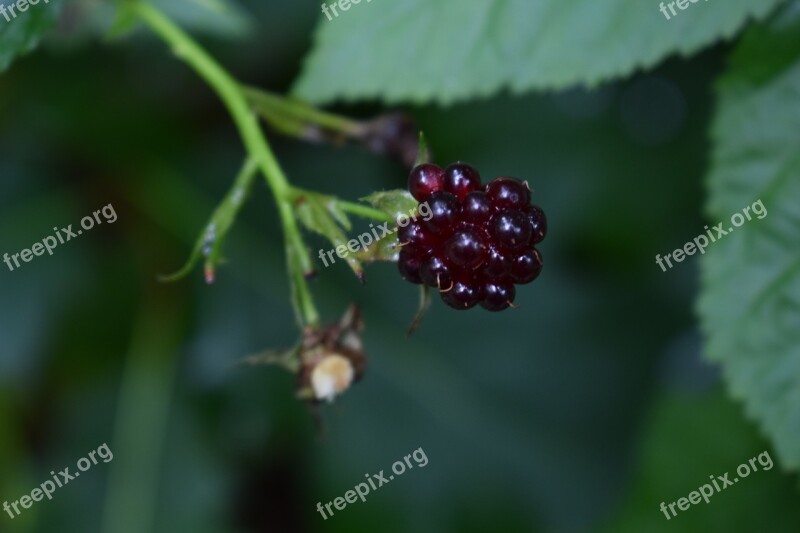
(444, 209)
(461, 295)
(413, 235)
(497, 266)
(460, 179)
(538, 223)
(409, 264)
(424, 180)
(497, 296)
(476, 207)
(526, 266)
(511, 229)
(465, 250)
(508, 193)
(478, 242)
(435, 273)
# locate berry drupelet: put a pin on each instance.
(478, 242)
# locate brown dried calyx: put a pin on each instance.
(327, 361)
(331, 358)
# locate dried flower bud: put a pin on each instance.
(332, 358)
(331, 377)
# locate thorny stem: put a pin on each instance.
(232, 95)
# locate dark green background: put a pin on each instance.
(582, 410)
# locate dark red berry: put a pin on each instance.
(408, 264)
(476, 207)
(465, 250)
(477, 243)
(444, 209)
(415, 237)
(508, 193)
(526, 266)
(497, 296)
(461, 179)
(424, 180)
(435, 273)
(538, 222)
(461, 295)
(497, 266)
(511, 229)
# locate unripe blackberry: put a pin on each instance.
(415, 237)
(424, 180)
(461, 179)
(465, 250)
(511, 229)
(476, 207)
(461, 295)
(408, 263)
(497, 266)
(444, 208)
(477, 242)
(538, 222)
(497, 296)
(435, 273)
(508, 193)
(526, 266)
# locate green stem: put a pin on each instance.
(233, 97)
(360, 210)
(364, 211)
(294, 116)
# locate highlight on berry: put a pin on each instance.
(480, 240)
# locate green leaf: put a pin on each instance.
(393, 203)
(22, 33)
(750, 301)
(124, 22)
(225, 18)
(319, 213)
(209, 242)
(451, 50)
(678, 427)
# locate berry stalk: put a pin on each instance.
(294, 117)
(232, 95)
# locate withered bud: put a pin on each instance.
(332, 358)
(331, 377)
(394, 135)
